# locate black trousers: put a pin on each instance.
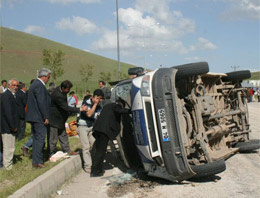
(21, 129)
(53, 135)
(100, 152)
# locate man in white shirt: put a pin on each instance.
(3, 86)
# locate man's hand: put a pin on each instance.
(83, 108)
(96, 100)
(14, 130)
(46, 122)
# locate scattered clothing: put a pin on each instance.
(58, 155)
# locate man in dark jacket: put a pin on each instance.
(58, 116)
(38, 114)
(9, 122)
(21, 102)
(106, 127)
(106, 91)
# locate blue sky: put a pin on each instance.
(224, 33)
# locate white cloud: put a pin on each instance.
(65, 2)
(137, 25)
(203, 44)
(242, 9)
(161, 11)
(34, 29)
(158, 8)
(134, 42)
(77, 24)
(146, 28)
(108, 41)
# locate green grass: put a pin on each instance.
(255, 76)
(22, 171)
(21, 57)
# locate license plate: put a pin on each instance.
(163, 123)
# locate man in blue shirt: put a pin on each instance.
(85, 124)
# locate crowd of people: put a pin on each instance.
(47, 112)
(251, 92)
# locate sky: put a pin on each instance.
(152, 33)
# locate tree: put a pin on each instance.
(105, 76)
(53, 60)
(122, 75)
(86, 72)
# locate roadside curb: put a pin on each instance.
(50, 181)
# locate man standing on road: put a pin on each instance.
(107, 127)
(38, 112)
(58, 116)
(9, 122)
(85, 124)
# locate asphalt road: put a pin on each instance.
(241, 178)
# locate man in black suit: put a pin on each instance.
(106, 127)
(21, 102)
(9, 122)
(58, 116)
(38, 114)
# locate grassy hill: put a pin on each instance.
(255, 76)
(21, 57)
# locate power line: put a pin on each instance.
(234, 67)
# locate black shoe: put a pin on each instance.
(96, 174)
(25, 151)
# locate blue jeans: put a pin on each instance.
(29, 142)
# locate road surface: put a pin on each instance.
(240, 179)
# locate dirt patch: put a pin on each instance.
(137, 187)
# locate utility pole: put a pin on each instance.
(234, 67)
(118, 51)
